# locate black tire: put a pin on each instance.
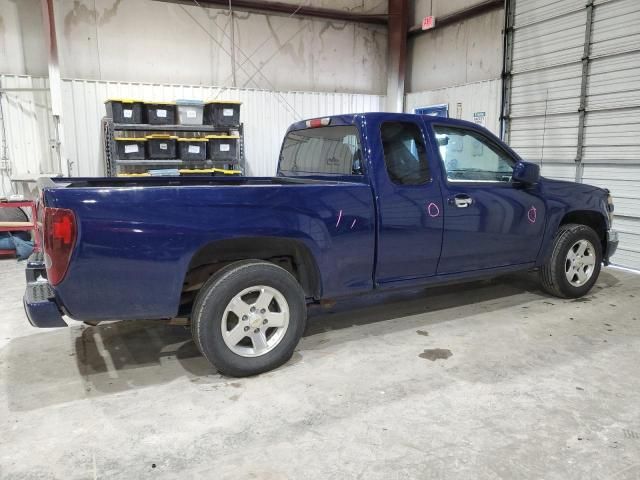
(215, 295)
(552, 274)
(13, 215)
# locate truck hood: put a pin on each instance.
(571, 188)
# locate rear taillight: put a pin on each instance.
(59, 239)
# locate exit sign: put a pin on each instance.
(428, 22)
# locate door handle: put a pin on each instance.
(461, 200)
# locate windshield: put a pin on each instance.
(322, 151)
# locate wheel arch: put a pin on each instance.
(593, 219)
(291, 254)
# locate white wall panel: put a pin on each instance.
(266, 116)
(552, 42)
(534, 11)
(615, 27)
(558, 171)
(624, 183)
(612, 136)
(549, 90)
(622, 180)
(545, 139)
(548, 44)
(28, 125)
(614, 82)
(474, 97)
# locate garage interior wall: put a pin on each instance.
(286, 67)
(458, 64)
(549, 83)
(26, 128)
(152, 41)
(464, 100)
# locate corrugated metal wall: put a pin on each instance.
(548, 43)
(28, 125)
(548, 47)
(473, 97)
(266, 116)
(612, 124)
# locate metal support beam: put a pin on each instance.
(397, 54)
(24, 89)
(582, 109)
(507, 60)
(459, 16)
(55, 84)
(289, 9)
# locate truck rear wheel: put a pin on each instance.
(575, 262)
(249, 317)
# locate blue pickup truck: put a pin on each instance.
(360, 202)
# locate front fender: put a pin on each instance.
(569, 202)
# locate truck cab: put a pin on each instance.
(447, 191)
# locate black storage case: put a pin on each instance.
(124, 110)
(222, 147)
(192, 149)
(160, 113)
(222, 113)
(162, 147)
(130, 148)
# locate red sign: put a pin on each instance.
(428, 22)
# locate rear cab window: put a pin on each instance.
(331, 150)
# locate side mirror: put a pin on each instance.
(526, 173)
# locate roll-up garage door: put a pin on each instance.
(548, 46)
(611, 156)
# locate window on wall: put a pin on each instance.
(470, 157)
(405, 154)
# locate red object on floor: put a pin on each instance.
(21, 226)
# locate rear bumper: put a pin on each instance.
(35, 267)
(41, 307)
(612, 245)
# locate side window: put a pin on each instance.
(469, 157)
(404, 153)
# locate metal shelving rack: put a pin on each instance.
(113, 164)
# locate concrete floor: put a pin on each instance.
(487, 380)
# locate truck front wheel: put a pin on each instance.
(575, 262)
(249, 317)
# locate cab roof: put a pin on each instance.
(354, 118)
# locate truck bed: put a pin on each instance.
(137, 238)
